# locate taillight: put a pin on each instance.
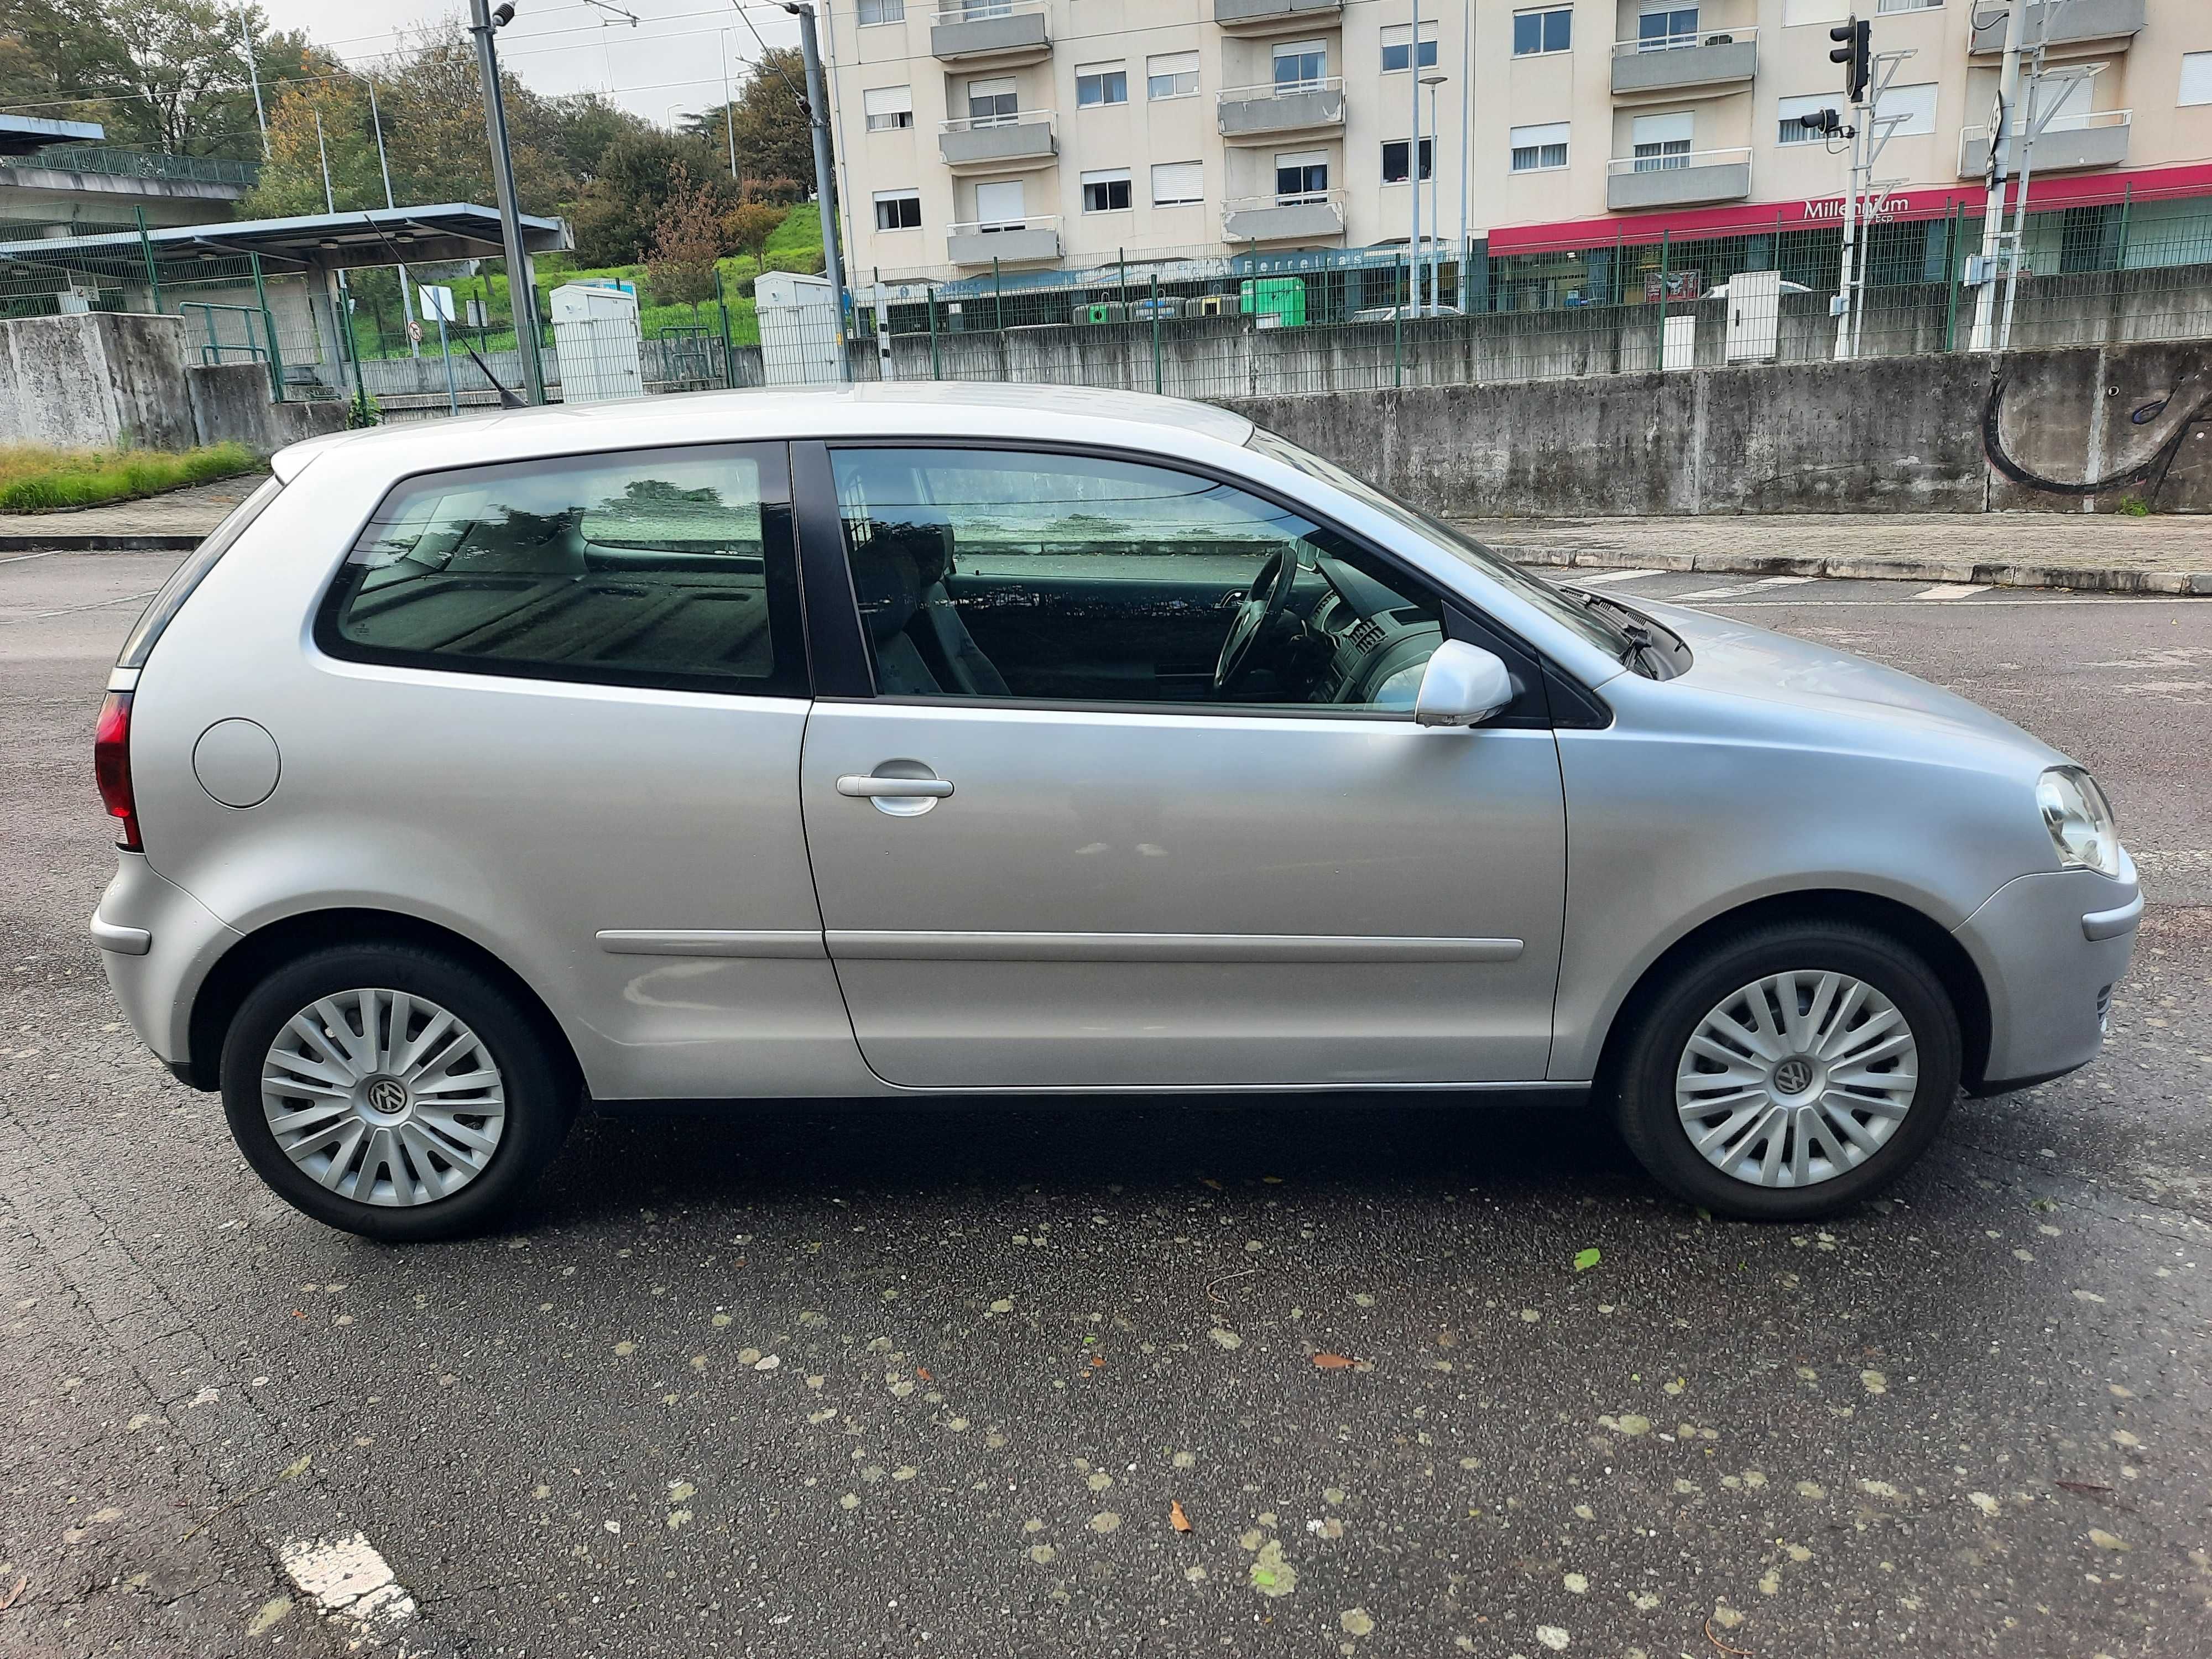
(110, 766)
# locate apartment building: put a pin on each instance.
(986, 136)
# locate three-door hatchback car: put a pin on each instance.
(901, 739)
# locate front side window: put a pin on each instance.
(1538, 32)
(664, 567)
(1394, 159)
(1084, 578)
(1101, 83)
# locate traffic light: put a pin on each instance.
(1854, 54)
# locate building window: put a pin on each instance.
(882, 11)
(1393, 159)
(1302, 177)
(1886, 6)
(1917, 104)
(1171, 75)
(2195, 77)
(1101, 83)
(1662, 141)
(1665, 23)
(1538, 150)
(1301, 66)
(898, 210)
(998, 206)
(1107, 191)
(993, 103)
(1551, 30)
(1790, 112)
(1178, 183)
(888, 108)
(1397, 42)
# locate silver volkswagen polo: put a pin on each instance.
(902, 740)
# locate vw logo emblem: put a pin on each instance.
(1794, 1075)
(388, 1095)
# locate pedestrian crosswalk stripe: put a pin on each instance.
(1952, 591)
(1599, 578)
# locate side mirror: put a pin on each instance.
(1462, 685)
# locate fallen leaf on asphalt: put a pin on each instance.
(2085, 1487)
(1210, 1181)
(922, 1371)
(1098, 1359)
(1585, 1260)
(21, 1584)
(1176, 1518)
(1334, 1362)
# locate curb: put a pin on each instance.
(2079, 579)
(16, 542)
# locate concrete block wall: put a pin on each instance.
(94, 380)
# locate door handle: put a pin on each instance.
(874, 788)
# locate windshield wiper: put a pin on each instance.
(1643, 652)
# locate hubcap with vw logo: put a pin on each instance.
(384, 1097)
(1797, 1078)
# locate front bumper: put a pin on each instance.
(158, 942)
(2050, 947)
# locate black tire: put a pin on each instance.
(540, 1092)
(1644, 1077)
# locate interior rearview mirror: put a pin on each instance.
(1462, 685)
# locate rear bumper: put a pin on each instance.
(2050, 947)
(158, 942)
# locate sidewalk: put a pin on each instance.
(175, 521)
(2094, 553)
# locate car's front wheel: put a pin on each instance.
(1790, 1071)
(393, 1092)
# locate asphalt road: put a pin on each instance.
(856, 1381)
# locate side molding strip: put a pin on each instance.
(945, 947)
(777, 943)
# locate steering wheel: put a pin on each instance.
(1260, 609)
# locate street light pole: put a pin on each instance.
(384, 166)
(1436, 211)
(825, 195)
(729, 110)
(521, 293)
(1413, 157)
(253, 74)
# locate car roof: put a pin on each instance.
(935, 410)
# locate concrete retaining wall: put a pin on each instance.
(96, 379)
(230, 404)
(1889, 435)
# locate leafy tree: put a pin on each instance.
(687, 241)
(749, 225)
(768, 119)
(619, 211)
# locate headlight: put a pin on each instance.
(2079, 819)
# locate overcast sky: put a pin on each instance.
(566, 45)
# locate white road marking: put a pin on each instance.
(1952, 591)
(1742, 587)
(1599, 579)
(18, 558)
(347, 1579)
(72, 609)
(2053, 598)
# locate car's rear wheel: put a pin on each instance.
(1790, 1071)
(393, 1092)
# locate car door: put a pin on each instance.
(1122, 879)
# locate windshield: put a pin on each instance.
(1594, 627)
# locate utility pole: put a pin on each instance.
(1436, 207)
(521, 291)
(1852, 52)
(729, 109)
(1465, 137)
(253, 74)
(384, 166)
(818, 119)
(2005, 123)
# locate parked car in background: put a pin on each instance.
(904, 740)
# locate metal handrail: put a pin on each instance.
(1696, 158)
(139, 164)
(1277, 89)
(1285, 199)
(1718, 36)
(2088, 118)
(982, 11)
(995, 227)
(979, 122)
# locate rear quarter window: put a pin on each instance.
(669, 568)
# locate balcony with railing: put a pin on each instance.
(2069, 21)
(1008, 31)
(1665, 64)
(1273, 16)
(1301, 215)
(2069, 144)
(1019, 241)
(140, 164)
(999, 142)
(1685, 178)
(1280, 109)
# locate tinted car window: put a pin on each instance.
(659, 568)
(1082, 578)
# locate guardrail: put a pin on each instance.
(139, 164)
